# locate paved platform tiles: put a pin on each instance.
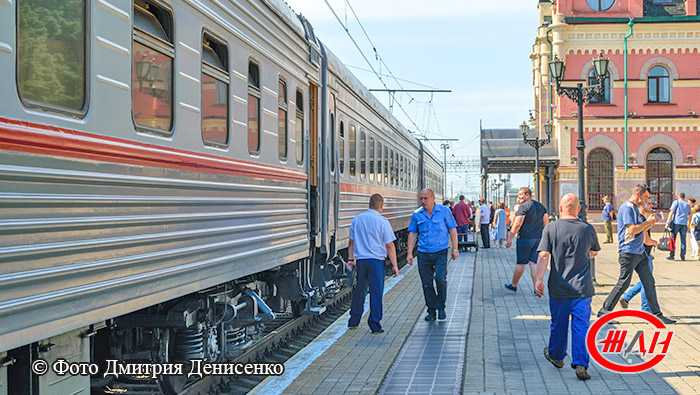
(508, 332)
(357, 361)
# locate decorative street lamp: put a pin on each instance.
(580, 94)
(505, 180)
(537, 143)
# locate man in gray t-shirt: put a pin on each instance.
(571, 244)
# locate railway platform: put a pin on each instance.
(491, 342)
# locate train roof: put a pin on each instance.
(287, 14)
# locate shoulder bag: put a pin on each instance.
(665, 242)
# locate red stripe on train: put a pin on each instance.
(48, 140)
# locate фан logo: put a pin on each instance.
(629, 350)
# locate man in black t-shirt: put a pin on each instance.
(530, 220)
(571, 244)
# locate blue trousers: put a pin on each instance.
(675, 230)
(580, 311)
(432, 267)
(632, 292)
(463, 229)
(369, 272)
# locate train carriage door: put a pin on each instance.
(313, 160)
(334, 195)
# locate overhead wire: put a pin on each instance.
(377, 56)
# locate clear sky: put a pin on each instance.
(478, 49)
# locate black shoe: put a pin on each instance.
(624, 303)
(601, 313)
(557, 364)
(670, 258)
(442, 315)
(582, 373)
(430, 316)
(378, 332)
(665, 319)
(511, 287)
(352, 327)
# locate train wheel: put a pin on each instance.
(169, 385)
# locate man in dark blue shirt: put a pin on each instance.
(630, 233)
(571, 244)
(530, 220)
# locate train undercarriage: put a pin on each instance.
(213, 325)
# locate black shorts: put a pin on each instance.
(527, 251)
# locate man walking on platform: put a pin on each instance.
(484, 221)
(571, 244)
(677, 222)
(371, 240)
(530, 220)
(630, 233)
(608, 212)
(462, 214)
(433, 227)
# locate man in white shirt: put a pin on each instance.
(484, 220)
(371, 240)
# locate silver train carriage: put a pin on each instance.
(135, 225)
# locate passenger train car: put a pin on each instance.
(173, 174)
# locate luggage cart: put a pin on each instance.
(470, 241)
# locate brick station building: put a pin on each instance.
(663, 96)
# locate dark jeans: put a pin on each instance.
(369, 272)
(630, 263)
(682, 229)
(432, 267)
(580, 311)
(462, 229)
(485, 237)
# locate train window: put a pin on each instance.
(333, 148)
(152, 68)
(396, 170)
(363, 155)
(386, 165)
(253, 108)
(215, 83)
(391, 167)
(282, 108)
(51, 55)
(401, 173)
(299, 127)
(379, 161)
(341, 145)
(353, 150)
(370, 159)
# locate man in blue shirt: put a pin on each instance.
(371, 240)
(607, 219)
(630, 232)
(678, 222)
(430, 226)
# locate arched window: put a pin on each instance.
(593, 80)
(601, 173)
(660, 177)
(659, 85)
(600, 5)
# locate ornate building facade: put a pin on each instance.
(651, 119)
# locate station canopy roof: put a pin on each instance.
(504, 151)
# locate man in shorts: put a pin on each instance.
(530, 220)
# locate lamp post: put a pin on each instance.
(505, 181)
(444, 147)
(537, 143)
(580, 94)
